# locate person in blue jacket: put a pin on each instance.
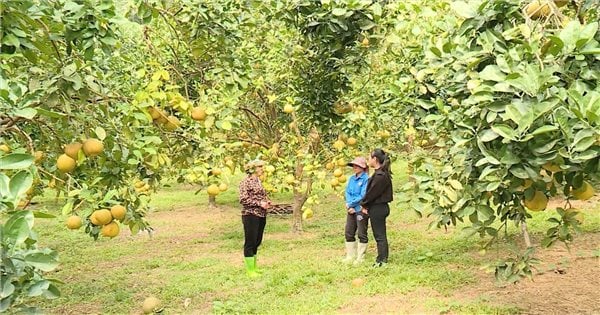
(356, 222)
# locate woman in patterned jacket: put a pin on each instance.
(255, 203)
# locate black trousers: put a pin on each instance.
(353, 226)
(379, 214)
(254, 227)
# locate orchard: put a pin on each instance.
(119, 117)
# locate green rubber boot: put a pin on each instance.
(250, 268)
(256, 266)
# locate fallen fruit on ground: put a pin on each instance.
(151, 305)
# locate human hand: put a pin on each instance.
(364, 210)
(265, 204)
(350, 210)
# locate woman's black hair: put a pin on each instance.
(384, 160)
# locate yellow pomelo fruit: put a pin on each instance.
(307, 214)
(101, 217)
(74, 222)
(198, 113)
(213, 190)
(351, 141)
(151, 305)
(329, 166)
(334, 182)
(65, 164)
(289, 179)
(549, 166)
(110, 230)
(139, 184)
(155, 113)
(342, 179)
(358, 282)
(39, 155)
(339, 145)
(561, 3)
(538, 9)
(172, 123)
(92, 147)
(4, 148)
(216, 171)
(538, 202)
(585, 192)
(338, 172)
(162, 117)
(72, 149)
(118, 212)
(223, 187)
(288, 109)
(341, 162)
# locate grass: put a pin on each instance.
(195, 255)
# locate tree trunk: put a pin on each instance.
(525, 234)
(212, 201)
(297, 212)
(300, 197)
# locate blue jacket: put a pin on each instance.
(355, 190)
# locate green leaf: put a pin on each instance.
(27, 113)
(492, 73)
(519, 172)
(463, 9)
(6, 287)
(484, 213)
(15, 161)
(50, 114)
(486, 171)
(226, 125)
(11, 40)
(586, 34)
(20, 183)
(376, 8)
(584, 144)
(100, 132)
(108, 40)
(505, 131)
(488, 135)
(44, 260)
(53, 292)
(38, 288)
(455, 184)
(338, 11)
(67, 208)
(43, 215)
(544, 129)
(16, 229)
(4, 182)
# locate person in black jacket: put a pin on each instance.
(375, 202)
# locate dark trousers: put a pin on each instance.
(353, 226)
(254, 228)
(379, 214)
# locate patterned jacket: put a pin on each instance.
(252, 194)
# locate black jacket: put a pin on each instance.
(379, 190)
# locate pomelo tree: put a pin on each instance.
(515, 96)
(279, 94)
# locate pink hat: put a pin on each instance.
(360, 162)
